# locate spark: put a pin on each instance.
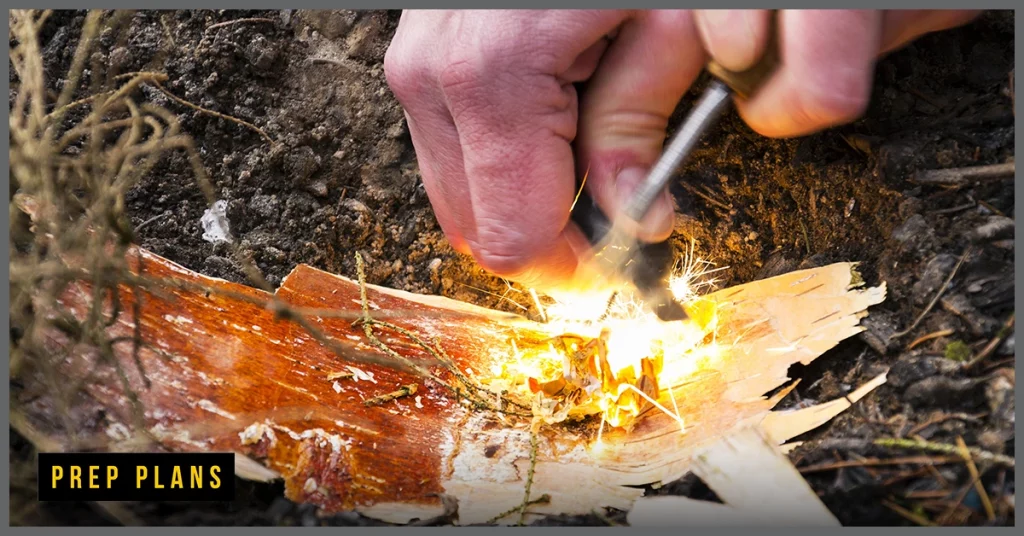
(536, 301)
(678, 418)
(580, 191)
(633, 335)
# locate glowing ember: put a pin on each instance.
(614, 357)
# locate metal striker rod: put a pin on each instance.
(707, 110)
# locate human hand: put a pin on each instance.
(495, 118)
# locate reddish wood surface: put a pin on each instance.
(227, 376)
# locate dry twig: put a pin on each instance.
(238, 21)
(907, 514)
(978, 454)
(976, 476)
(930, 336)
(875, 462)
(964, 176)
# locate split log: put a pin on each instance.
(228, 374)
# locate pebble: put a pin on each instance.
(318, 188)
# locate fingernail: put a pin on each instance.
(657, 224)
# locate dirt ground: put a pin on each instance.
(343, 178)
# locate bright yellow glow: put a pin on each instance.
(633, 334)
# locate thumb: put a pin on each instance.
(626, 107)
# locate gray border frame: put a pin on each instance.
(444, 4)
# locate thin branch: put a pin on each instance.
(964, 176)
(953, 450)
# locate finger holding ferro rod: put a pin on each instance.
(705, 113)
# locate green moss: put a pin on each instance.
(958, 351)
(856, 280)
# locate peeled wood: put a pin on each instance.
(228, 376)
(755, 480)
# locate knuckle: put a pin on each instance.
(502, 261)
(402, 75)
(673, 20)
(836, 103)
(462, 73)
(502, 250)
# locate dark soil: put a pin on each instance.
(343, 178)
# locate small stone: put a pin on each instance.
(286, 16)
(318, 188)
(434, 265)
(752, 236)
(332, 23)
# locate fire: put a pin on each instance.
(616, 358)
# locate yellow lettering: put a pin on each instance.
(76, 476)
(156, 478)
(140, 474)
(216, 479)
(197, 477)
(58, 474)
(176, 477)
(111, 475)
(93, 476)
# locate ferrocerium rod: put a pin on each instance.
(704, 114)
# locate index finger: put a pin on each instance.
(516, 123)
